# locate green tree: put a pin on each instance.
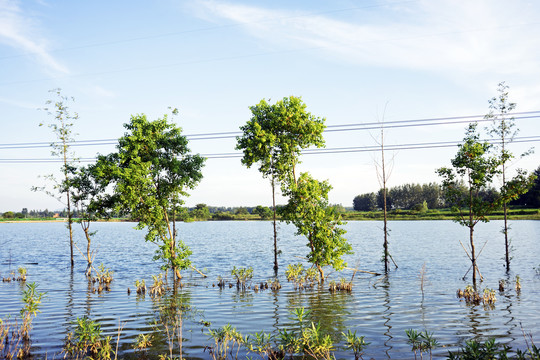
(263, 211)
(8, 215)
(274, 137)
(476, 168)
(201, 212)
(309, 211)
(503, 130)
(365, 202)
(62, 128)
(150, 172)
(531, 198)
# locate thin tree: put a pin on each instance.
(62, 129)
(383, 174)
(273, 138)
(473, 167)
(503, 130)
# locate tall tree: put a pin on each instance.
(503, 130)
(309, 211)
(273, 139)
(150, 172)
(62, 129)
(476, 168)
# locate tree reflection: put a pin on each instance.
(327, 309)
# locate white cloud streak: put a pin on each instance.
(20, 32)
(479, 36)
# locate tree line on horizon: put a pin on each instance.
(421, 197)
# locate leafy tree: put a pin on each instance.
(365, 202)
(263, 211)
(476, 168)
(150, 172)
(273, 139)
(8, 215)
(241, 211)
(309, 211)
(431, 193)
(62, 128)
(201, 212)
(531, 198)
(503, 130)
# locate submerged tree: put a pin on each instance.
(503, 131)
(309, 211)
(274, 137)
(90, 200)
(62, 128)
(472, 166)
(383, 174)
(150, 172)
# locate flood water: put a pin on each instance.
(380, 308)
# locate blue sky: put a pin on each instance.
(351, 61)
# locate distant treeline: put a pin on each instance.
(430, 196)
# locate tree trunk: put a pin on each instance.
(505, 229)
(473, 256)
(88, 271)
(321, 273)
(70, 222)
(385, 229)
(275, 226)
(471, 234)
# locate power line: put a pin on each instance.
(329, 128)
(322, 151)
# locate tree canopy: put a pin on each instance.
(151, 171)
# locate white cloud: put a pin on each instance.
(468, 37)
(21, 32)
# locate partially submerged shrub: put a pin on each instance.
(473, 297)
(158, 287)
(87, 342)
(342, 285)
(300, 276)
(242, 276)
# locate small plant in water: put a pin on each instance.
(421, 342)
(22, 273)
(142, 343)
(158, 287)
(355, 343)
(227, 342)
(140, 286)
(32, 302)
(342, 285)
(242, 276)
(518, 284)
(87, 342)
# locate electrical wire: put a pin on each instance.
(329, 128)
(353, 149)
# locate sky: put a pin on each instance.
(352, 62)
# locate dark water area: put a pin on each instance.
(379, 308)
